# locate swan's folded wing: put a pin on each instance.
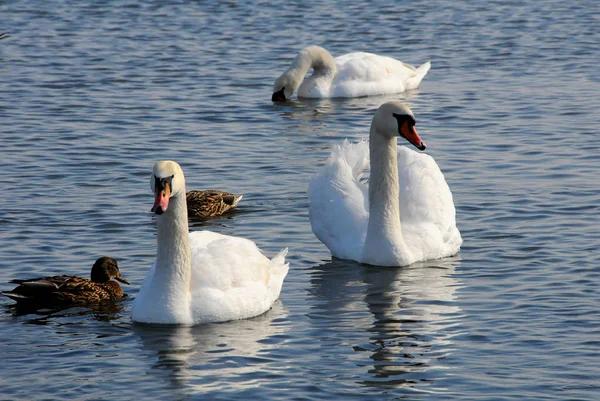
(367, 74)
(427, 208)
(231, 278)
(223, 262)
(338, 212)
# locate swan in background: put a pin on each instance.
(405, 214)
(351, 75)
(201, 277)
(210, 202)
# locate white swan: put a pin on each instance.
(350, 75)
(408, 213)
(201, 277)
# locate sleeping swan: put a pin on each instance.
(350, 75)
(201, 277)
(406, 213)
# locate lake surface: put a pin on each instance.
(92, 94)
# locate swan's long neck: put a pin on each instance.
(384, 244)
(173, 258)
(314, 57)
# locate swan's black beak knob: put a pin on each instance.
(279, 96)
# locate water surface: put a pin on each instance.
(91, 95)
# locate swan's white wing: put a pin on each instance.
(231, 278)
(367, 74)
(427, 210)
(338, 211)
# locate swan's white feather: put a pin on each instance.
(364, 74)
(339, 204)
(231, 280)
(427, 212)
(339, 201)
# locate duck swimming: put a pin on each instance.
(68, 290)
(210, 203)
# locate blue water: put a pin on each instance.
(93, 93)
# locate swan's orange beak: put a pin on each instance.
(409, 133)
(161, 199)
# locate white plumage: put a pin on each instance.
(351, 75)
(413, 218)
(202, 277)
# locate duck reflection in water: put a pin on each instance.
(397, 316)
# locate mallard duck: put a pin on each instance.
(210, 203)
(71, 290)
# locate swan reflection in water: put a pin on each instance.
(195, 358)
(401, 319)
(316, 110)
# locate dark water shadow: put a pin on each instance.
(398, 317)
(215, 221)
(34, 314)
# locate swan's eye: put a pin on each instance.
(401, 118)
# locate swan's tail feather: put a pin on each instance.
(280, 270)
(420, 73)
(423, 69)
(279, 259)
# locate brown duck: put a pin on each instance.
(210, 203)
(71, 290)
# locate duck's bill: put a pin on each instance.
(121, 279)
(410, 134)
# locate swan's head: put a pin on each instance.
(396, 119)
(284, 87)
(310, 57)
(106, 269)
(167, 181)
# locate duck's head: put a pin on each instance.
(396, 119)
(106, 269)
(167, 181)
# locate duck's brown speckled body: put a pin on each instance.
(210, 203)
(71, 290)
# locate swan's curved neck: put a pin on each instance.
(384, 244)
(314, 57)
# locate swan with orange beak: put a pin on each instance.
(162, 191)
(203, 276)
